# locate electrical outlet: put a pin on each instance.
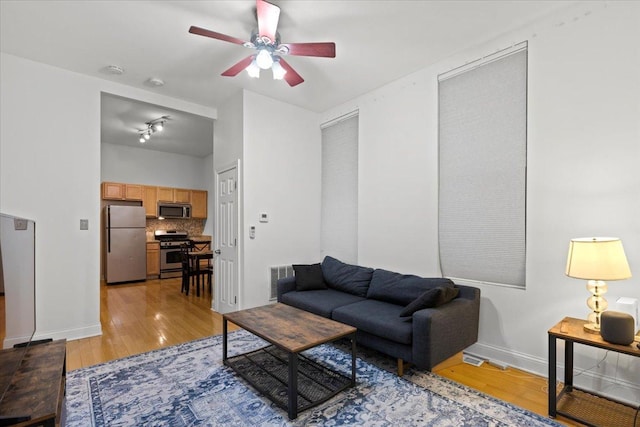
(84, 224)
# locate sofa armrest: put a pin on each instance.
(441, 332)
(286, 284)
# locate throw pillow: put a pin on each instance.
(308, 277)
(446, 295)
(401, 289)
(349, 278)
(431, 298)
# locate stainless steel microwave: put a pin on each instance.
(174, 210)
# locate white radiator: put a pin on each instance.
(278, 272)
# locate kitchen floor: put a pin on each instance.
(144, 316)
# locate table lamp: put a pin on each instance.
(597, 259)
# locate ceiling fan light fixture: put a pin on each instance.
(158, 126)
(264, 59)
(278, 71)
(147, 135)
(253, 70)
(142, 140)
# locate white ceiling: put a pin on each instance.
(183, 133)
(376, 42)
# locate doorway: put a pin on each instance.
(226, 238)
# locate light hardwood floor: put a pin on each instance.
(146, 316)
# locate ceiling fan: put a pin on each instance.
(266, 41)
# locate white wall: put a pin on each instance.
(583, 179)
(281, 176)
(227, 149)
(121, 163)
(52, 174)
(209, 185)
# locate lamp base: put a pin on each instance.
(592, 328)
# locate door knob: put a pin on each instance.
(217, 252)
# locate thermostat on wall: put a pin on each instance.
(264, 217)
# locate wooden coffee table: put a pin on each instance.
(276, 370)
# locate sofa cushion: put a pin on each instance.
(320, 302)
(401, 289)
(376, 317)
(309, 277)
(346, 277)
(431, 298)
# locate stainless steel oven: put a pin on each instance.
(170, 258)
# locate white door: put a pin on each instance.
(226, 237)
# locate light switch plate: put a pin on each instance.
(84, 224)
(264, 217)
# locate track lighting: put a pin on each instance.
(153, 126)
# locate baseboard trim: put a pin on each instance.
(605, 385)
(70, 334)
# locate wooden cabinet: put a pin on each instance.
(120, 191)
(151, 195)
(132, 192)
(150, 201)
(180, 195)
(112, 191)
(153, 259)
(198, 204)
(174, 195)
(165, 194)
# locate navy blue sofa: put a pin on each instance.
(372, 300)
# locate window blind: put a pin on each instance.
(339, 228)
(482, 171)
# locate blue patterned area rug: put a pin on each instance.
(187, 385)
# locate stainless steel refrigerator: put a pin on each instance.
(125, 243)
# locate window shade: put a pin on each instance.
(482, 171)
(339, 235)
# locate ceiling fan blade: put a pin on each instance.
(292, 77)
(268, 16)
(208, 33)
(237, 68)
(327, 50)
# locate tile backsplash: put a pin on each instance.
(192, 226)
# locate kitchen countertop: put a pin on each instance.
(201, 238)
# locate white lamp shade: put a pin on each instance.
(597, 258)
(278, 71)
(253, 70)
(264, 59)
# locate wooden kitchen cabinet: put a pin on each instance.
(120, 191)
(112, 191)
(150, 201)
(180, 195)
(199, 204)
(150, 196)
(174, 195)
(165, 194)
(153, 259)
(132, 192)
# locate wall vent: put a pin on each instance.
(472, 359)
(278, 272)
